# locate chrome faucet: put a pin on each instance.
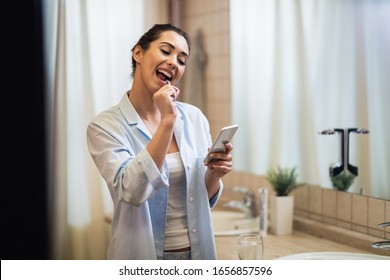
(385, 244)
(247, 205)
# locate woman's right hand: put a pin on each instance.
(165, 99)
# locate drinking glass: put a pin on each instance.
(250, 246)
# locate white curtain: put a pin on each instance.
(88, 66)
(299, 67)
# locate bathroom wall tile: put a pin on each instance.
(315, 203)
(380, 233)
(218, 67)
(221, 89)
(218, 4)
(244, 181)
(344, 206)
(192, 25)
(343, 224)
(361, 229)
(301, 198)
(344, 209)
(260, 181)
(329, 220)
(217, 44)
(360, 213)
(301, 213)
(301, 201)
(315, 217)
(360, 210)
(193, 8)
(315, 199)
(329, 206)
(218, 21)
(376, 212)
(376, 215)
(231, 179)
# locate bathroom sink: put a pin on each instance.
(333, 256)
(233, 223)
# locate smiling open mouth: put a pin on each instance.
(164, 75)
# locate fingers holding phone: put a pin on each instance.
(221, 163)
(222, 146)
(221, 155)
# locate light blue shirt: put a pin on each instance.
(117, 140)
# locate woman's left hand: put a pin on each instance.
(221, 163)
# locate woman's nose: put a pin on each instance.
(172, 62)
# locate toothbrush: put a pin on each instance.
(172, 96)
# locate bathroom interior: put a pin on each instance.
(324, 219)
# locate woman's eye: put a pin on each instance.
(180, 60)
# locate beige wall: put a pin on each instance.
(157, 12)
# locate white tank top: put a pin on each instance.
(176, 228)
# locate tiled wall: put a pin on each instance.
(350, 211)
(358, 213)
(326, 213)
(212, 18)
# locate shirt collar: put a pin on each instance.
(128, 110)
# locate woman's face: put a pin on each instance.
(164, 61)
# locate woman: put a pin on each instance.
(150, 150)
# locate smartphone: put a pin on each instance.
(225, 136)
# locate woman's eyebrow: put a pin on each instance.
(173, 47)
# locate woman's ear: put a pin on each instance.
(137, 54)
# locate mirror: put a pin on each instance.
(312, 66)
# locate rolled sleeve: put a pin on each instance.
(213, 201)
(154, 176)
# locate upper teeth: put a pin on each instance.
(166, 73)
